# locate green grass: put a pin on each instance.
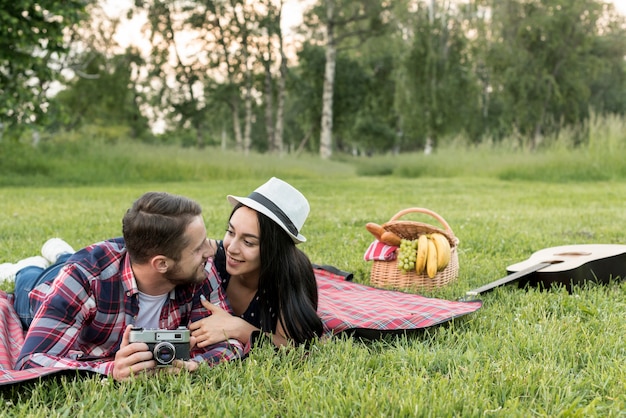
(69, 159)
(93, 163)
(525, 353)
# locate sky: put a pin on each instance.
(130, 32)
(620, 5)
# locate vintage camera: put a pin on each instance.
(166, 345)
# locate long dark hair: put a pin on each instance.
(287, 284)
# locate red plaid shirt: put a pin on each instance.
(81, 315)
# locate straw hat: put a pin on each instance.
(280, 202)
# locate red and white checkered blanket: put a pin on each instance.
(344, 306)
(371, 312)
(11, 341)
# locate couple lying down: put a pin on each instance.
(84, 310)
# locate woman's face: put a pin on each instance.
(242, 243)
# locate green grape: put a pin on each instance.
(407, 254)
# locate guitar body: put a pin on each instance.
(573, 265)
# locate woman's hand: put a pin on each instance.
(219, 326)
(212, 246)
(180, 365)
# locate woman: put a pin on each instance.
(263, 280)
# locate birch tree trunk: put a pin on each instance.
(280, 105)
(269, 102)
(326, 135)
(247, 128)
(236, 126)
(248, 116)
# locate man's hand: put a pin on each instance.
(135, 358)
(131, 359)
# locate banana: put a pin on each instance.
(431, 259)
(443, 250)
(422, 253)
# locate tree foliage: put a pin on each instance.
(209, 53)
(33, 44)
(108, 97)
(363, 76)
(437, 90)
(341, 24)
(545, 57)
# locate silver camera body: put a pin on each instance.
(166, 345)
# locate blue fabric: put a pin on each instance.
(26, 280)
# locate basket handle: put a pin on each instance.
(425, 211)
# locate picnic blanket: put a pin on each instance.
(11, 341)
(369, 312)
(344, 307)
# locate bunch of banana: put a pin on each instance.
(429, 253)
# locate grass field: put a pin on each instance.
(524, 353)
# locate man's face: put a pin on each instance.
(190, 268)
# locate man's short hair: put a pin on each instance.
(155, 225)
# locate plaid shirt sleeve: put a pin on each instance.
(80, 316)
(67, 306)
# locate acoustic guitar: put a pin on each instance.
(566, 266)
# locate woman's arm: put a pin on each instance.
(220, 326)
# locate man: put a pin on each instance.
(153, 277)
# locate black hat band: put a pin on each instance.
(258, 197)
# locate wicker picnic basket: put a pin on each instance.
(387, 273)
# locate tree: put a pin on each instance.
(543, 59)
(304, 96)
(608, 87)
(271, 45)
(354, 92)
(33, 44)
(209, 51)
(103, 86)
(437, 93)
(376, 122)
(174, 76)
(109, 96)
(344, 24)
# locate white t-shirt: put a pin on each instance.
(150, 310)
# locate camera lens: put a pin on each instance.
(164, 353)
